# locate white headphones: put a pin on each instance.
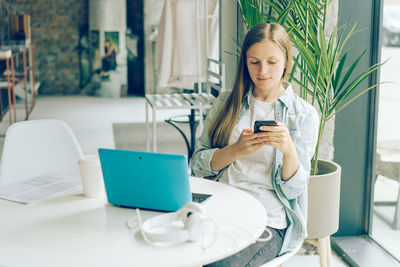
(189, 223)
(186, 224)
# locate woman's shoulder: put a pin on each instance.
(299, 105)
(303, 114)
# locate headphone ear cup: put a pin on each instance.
(193, 207)
(188, 209)
(195, 227)
(161, 230)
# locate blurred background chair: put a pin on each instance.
(198, 101)
(388, 165)
(188, 36)
(36, 147)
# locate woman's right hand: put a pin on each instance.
(247, 143)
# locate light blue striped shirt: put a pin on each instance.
(302, 121)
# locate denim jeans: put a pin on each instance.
(255, 254)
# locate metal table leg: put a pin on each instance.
(154, 130)
(193, 126)
(147, 127)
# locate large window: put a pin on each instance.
(386, 199)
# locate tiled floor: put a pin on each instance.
(91, 119)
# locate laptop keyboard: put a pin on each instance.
(199, 198)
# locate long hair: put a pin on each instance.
(221, 128)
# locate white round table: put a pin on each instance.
(72, 230)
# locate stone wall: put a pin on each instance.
(327, 146)
(56, 27)
(5, 9)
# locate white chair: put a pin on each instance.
(278, 261)
(36, 147)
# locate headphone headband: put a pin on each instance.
(176, 227)
(160, 229)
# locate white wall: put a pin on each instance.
(152, 15)
(229, 32)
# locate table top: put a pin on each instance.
(72, 230)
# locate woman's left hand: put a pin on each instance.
(277, 136)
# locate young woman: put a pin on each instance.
(272, 165)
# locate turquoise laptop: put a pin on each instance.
(136, 179)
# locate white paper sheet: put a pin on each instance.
(39, 188)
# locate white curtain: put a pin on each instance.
(177, 43)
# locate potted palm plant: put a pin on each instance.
(319, 66)
(326, 80)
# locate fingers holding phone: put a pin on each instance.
(248, 142)
(274, 134)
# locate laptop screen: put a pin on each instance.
(146, 180)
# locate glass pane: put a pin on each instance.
(386, 216)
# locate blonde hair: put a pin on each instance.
(221, 128)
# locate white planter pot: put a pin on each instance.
(324, 200)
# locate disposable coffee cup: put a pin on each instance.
(92, 176)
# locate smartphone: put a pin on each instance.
(258, 124)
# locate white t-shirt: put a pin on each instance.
(252, 173)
